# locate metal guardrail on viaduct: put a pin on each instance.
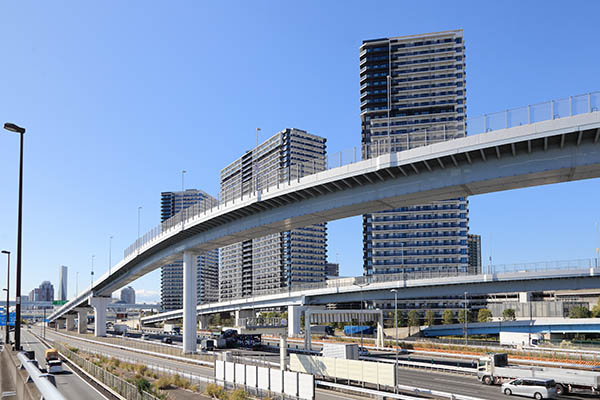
(562, 148)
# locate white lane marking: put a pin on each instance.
(77, 375)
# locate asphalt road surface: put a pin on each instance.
(445, 382)
(71, 385)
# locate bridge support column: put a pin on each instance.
(100, 305)
(69, 322)
(294, 320)
(282, 352)
(60, 323)
(240, 317)
(203, 322)
(190, 297)
(380, 334)
(82, 320)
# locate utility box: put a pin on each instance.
(346, 351)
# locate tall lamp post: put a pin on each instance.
(7, 294)
(109, 252)
(466, 323)
(92, 273)
(395, 291)
(361, 286)
(183, 171)
(21, 131)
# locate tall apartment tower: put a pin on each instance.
(474, 243)
(412, 93)
(62, 283)
(128, 295)
(171, 275)
(284, 259)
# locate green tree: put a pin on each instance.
(579, 312)
(430, 317)
(484, 315)
(401, 319)
(448, 317)
(461, 316)
(509, 315)
(596, 310)
(413, 318)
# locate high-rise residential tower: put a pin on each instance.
(128, 295)
(171, 276)
(474, 242)
(412, 93)
(62, 283)
(279, 260)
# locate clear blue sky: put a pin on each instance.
(119, 97)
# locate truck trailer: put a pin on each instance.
(346, 351)
(520, 338)
(494, 369)
(53, 361)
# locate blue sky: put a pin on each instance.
(119, 97)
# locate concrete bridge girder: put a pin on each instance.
(522, 168)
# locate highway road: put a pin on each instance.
(162, 364)
(446, 382)
(71, 385)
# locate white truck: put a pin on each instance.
(494, 369)
(340, 350)
(171, 328)
(520, 339)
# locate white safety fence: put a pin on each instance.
(381, 374)
(254, 378)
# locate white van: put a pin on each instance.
(530, 387)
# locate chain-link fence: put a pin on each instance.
(124, 388)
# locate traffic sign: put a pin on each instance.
(59, 302)
(11, 319)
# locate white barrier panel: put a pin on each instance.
(276, 377)
(306, 386)
(360, 371)
(290, 383)
(229, 371)
(251, 376)
(220, 370)
(275, 380)
(263, 378)
(240, 373)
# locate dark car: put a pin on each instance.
(167, 340)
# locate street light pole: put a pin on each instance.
(92, 274)
(183, 171)
(396, 321)
(466, 323)
(139, 209)
(361, 286)
(21, 131)
(109, 253)
(7, 294)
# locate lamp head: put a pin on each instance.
(5, 252)
(14, 128)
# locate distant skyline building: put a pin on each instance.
(332, 269)
(286, 259)
(62, 283)
(412, 93)
(474, 242)
(45, 292)
(171, 276)
(128, 295)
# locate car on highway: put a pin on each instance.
(536, 388)
(167, 340)
(146, 336)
